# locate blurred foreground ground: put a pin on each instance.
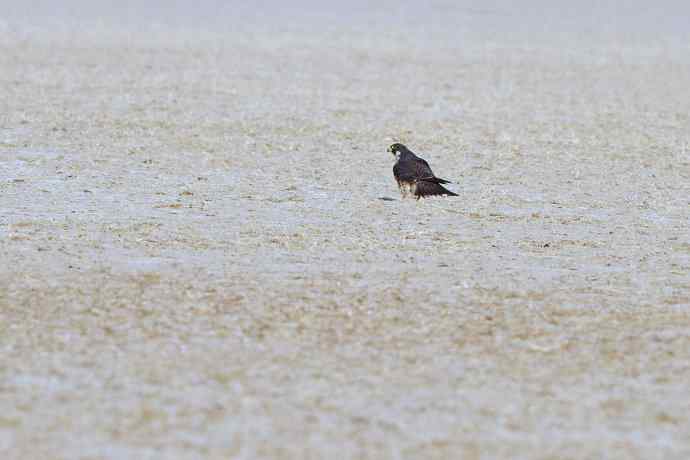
(195, 263)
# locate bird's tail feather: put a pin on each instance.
(427, 188)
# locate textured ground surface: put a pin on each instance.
(195, 262)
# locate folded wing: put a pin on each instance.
(427, 188)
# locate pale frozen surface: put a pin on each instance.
(196, 262)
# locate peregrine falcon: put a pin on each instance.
(414, 176)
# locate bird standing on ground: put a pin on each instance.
(414, 176)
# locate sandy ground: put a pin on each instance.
(196, 262)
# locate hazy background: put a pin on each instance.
(195, 262)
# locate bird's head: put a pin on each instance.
(396, 149)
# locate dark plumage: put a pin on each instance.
(414, 176)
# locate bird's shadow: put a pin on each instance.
(387, 198)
